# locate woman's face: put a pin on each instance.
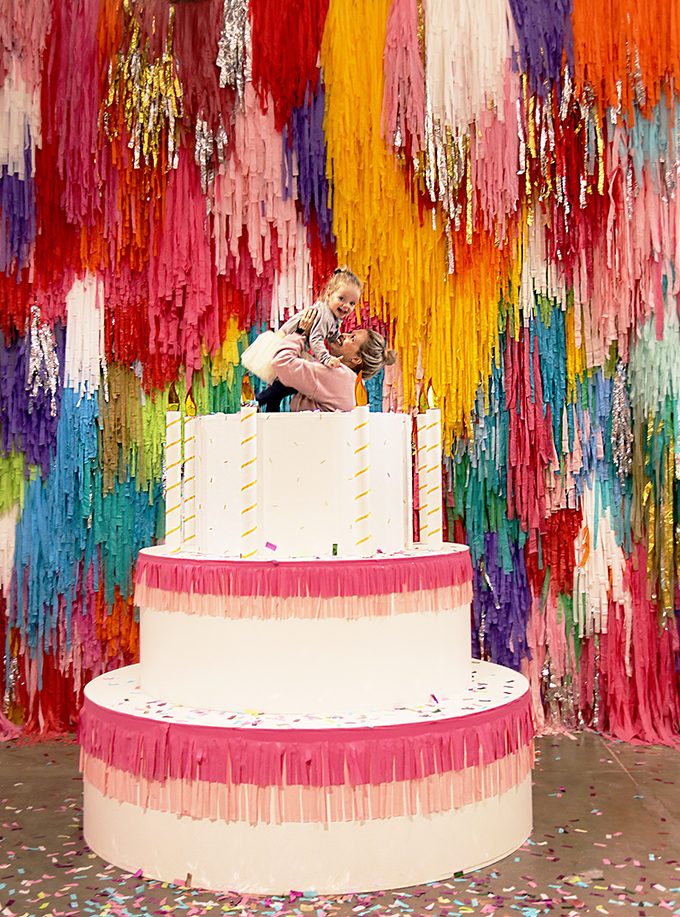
(348, 347)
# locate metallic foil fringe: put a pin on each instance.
(149, 93)
(622, 425)
(234, 54)
(43, 362)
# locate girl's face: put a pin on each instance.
(343, 299)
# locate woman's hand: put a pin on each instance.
(309, 316)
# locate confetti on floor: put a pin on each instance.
(606, 840)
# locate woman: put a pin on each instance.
(329, 388)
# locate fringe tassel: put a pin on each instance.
(235, 802)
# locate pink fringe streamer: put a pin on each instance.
(156, 749)
(230, 577)
(182, 284)
(403, 110)
(316, 607)
(8, 730)
(245, 802)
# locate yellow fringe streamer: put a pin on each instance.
(229, 355)
(449, 321)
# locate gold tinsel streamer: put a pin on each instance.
(396, 241)
(148, 93)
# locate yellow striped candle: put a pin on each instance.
(421, 444)
(362, 481)
(173, 480)
(189, 484)
(248, 427)
(433, 420)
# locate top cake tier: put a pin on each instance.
(293, 485)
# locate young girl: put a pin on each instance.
(339, 297)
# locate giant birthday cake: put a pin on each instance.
(305, 713)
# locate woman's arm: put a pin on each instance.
(287, 362)
(294, 371)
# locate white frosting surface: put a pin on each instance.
(489, 686)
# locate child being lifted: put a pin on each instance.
(339, 297)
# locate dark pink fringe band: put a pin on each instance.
(287, 579)
(155, 750)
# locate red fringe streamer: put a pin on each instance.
(530, 443)
(51, 710)
(285, 39)
(557, 553)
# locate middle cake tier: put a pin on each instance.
(314, 636)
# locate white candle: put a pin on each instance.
(362, 480)
(173, 480)
(434, 477)
(248, 417)
(189, 484)
(421, 444)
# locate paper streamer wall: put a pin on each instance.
(520, 247)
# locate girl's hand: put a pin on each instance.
(334, 361)
(309, 316)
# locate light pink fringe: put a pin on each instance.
(239, 802)
(266, 607)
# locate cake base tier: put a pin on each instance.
(265, 804)
(330, 859)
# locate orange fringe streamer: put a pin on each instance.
(636, 45)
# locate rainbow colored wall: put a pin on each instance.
(503, 173)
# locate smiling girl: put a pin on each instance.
(339, 297)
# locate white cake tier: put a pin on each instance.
(326, 803)
(304, 487)
(331, 859)
(313, 636)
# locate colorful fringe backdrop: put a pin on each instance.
(503, 173)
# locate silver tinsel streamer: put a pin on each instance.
(203, 151)
(622, 433)
(43, 363)
(430, 155)
(206, 144)
(566, 95)
(234, 49)
(12, 676)
(638, 82)
(558, 701)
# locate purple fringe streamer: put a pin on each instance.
(28, 425)
(544, 33)
(17, 223)
(305, 137)
(502, 601)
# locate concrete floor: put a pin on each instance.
(606, 840)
